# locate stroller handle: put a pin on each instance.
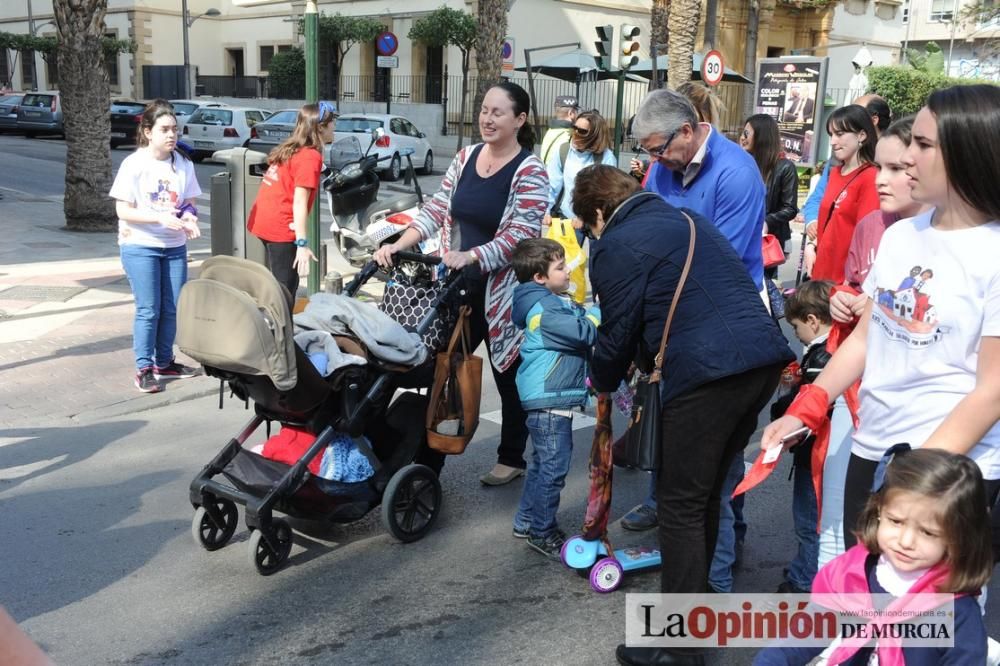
(429, 260)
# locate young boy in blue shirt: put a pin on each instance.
(558, 336)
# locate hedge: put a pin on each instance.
(287, 74)
(906, 89)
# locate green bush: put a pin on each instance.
(287, 75)
(906, 89)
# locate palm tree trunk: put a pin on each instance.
(492, 20)
(685, 16)
(86, 100)
(659, 35)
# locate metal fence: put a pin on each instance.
(232, 86)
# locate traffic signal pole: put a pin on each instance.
(312, 96)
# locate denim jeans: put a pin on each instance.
(802, 569)
(731, 529)
(156, 275)
(831, 537)
(551, 450)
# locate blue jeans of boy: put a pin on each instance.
(156, 275)
(551, 450)
(731, 529)
(802, 569)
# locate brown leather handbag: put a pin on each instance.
(453, 412)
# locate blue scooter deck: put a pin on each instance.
(582, 554)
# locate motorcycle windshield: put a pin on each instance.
(343, 151)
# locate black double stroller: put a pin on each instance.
(234, 319)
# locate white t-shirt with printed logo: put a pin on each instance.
(156, 186)
(936, 294)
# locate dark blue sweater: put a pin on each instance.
(721, 327)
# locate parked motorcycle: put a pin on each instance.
(352, 193)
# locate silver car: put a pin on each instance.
(8, 111)
(277, 127)
(41, 113)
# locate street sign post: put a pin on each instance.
(712, 68)
(392, 62)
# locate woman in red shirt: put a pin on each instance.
(850, 193)
(288, 192)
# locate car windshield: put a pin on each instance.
(183, 109)
(287, 117)
(357, 124)
(206, 116)
(10, 99)
(37, 101)
(127, 107)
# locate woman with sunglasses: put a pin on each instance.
(590, 144)
(850, 191)
(761, 139)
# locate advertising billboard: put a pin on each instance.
(791, 90)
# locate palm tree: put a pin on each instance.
(685, 17)
(659, 33)
(492, 20)
(86, 101)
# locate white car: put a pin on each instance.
(400, 134)
(212, 128)
(183, 108)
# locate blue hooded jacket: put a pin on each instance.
(558, 336)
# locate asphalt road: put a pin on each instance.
(99, 565)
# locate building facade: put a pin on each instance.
(971, 47)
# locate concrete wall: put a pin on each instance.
(876, 25)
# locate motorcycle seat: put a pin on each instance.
(404, 203)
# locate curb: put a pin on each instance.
(174, 393)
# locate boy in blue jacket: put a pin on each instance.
(558, 336)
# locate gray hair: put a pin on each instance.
(662, 112)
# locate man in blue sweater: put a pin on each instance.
(695, 167)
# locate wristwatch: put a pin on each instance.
(301, 242)
(472, 257)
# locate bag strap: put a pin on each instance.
(833, 204)
(658, 361)
(461, 330)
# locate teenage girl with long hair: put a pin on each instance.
(154, 193)
(288, 192)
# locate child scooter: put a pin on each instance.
(606, 573)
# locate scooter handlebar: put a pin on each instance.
(429, 260)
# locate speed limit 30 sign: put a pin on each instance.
(712, 68)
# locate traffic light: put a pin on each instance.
(605, 46)
(629, 46)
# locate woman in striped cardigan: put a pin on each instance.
(494, 195)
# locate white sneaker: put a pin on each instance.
(992, 652)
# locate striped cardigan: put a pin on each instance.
(522, 218)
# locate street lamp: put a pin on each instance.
(186, 20)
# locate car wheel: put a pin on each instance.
(395, 168)
(114, 144)
(428, 163)
(197, 156)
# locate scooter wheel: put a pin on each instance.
(606, 575)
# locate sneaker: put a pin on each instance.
(500, 474)
(788, 587)
(640, 518)
(174, 371)
(549, 546)
(520, 534)
(146, 382)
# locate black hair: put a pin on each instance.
(901, 128)
(533, 256)
(766, 143)
(968, 124)
(522, 104)
(879, 108)
(854, 119)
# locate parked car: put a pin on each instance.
(8, 111)
(400, 133)
(183, 108)
(41, 113)
(212, 128)
(276, 128)
(125, 119)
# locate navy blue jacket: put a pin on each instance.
(721, 327)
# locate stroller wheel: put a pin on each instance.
(214, 532)
(269, 551)
(411, 502)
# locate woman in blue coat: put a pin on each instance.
(721, 366)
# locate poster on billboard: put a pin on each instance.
(791, 90)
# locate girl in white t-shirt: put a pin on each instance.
(154, 194)
(927, 347)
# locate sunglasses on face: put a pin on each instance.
(582, 131)
(658, 152)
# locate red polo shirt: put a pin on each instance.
(271, 216)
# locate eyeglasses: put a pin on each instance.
(582, 131)
(657, 153)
